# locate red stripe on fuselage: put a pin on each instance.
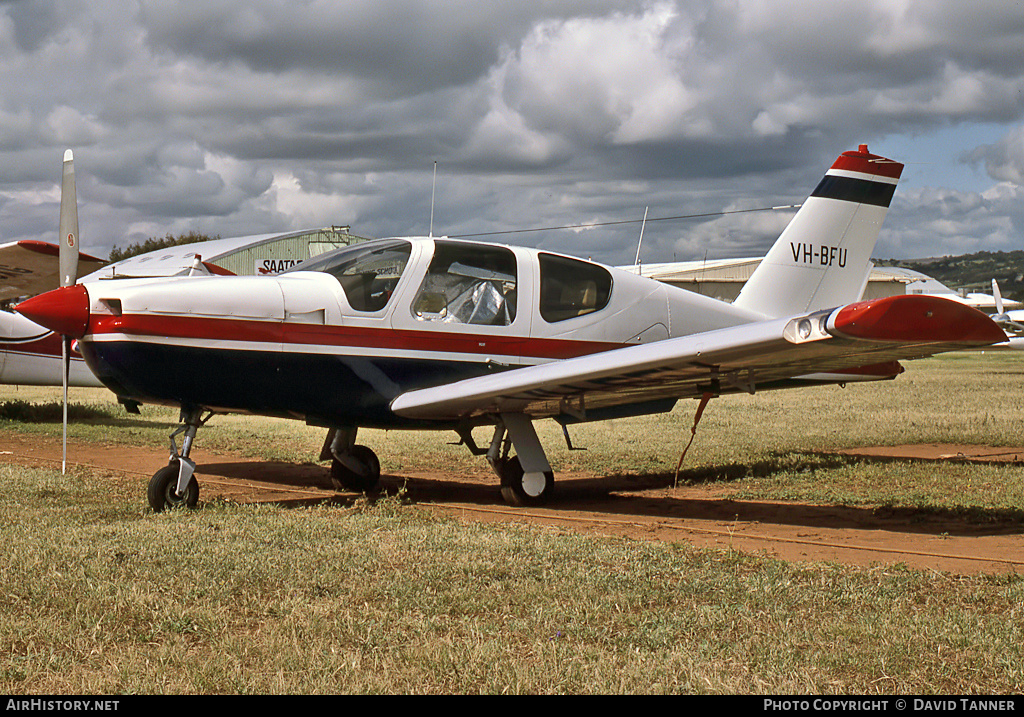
(247, 330)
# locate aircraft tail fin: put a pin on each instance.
(822, 258)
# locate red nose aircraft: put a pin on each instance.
(432, 333)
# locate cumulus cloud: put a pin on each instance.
(1004, 161)
(940, 221)
(609, 79)
(244, 117)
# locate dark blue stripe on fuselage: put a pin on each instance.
(861, 191)
(322, 389)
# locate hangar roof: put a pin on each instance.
(177, 260)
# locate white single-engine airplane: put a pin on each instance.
(431, 333)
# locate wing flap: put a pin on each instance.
(757, 356)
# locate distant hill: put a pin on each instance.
(974, 272)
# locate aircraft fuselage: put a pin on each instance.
(336, 343)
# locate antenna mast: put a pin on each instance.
(433, 184)
(636, 262)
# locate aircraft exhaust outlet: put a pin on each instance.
(64, 310)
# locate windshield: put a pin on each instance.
(368, 271)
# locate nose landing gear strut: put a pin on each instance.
(174, 485)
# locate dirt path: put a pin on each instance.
(631, 507)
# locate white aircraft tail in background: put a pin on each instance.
(1008, 320)
(823, 257)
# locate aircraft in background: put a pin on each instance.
(1012, 322)
(30, 267)
(433, 333)
(29, 353)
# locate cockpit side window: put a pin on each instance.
(367, 272)
(571, 288)
(468, 284)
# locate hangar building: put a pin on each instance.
(723, 279)
(249, 255)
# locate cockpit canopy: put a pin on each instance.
(368, 272)
(465, 283)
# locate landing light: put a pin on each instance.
(808, 328)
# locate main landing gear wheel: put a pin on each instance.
(163, 490)
(524, 489)
(360, 472)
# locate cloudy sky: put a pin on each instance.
(233, 118)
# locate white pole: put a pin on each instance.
(432, 185)
(637, 261)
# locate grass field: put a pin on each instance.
(100, 596)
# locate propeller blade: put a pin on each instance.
(998, 297)
(68, 223)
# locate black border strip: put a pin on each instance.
(861, 191)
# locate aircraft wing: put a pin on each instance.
(826, 346)
(31, 267)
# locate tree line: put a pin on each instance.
(154, 243)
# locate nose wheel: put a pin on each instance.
(174, 485)
(163, 489)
